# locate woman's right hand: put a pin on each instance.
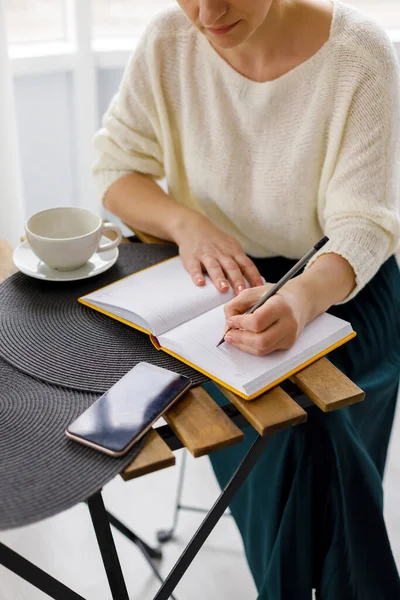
(205, 248)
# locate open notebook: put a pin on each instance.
(188, 321)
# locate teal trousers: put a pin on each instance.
(311, 512)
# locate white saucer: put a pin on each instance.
(26, 261)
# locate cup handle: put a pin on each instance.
(113, 243)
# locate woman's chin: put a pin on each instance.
(224, 42)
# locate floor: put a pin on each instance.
(65, 545)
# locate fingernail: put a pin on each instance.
(223, 285)
(228, 339)
(230, 323)
(199, 280)
(240, 288)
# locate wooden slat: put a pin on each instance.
(6, 262)
(270, 412)
(156, 455)
(328, 387)
(201, 425)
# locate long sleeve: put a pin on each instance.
(129, 140)
(361, 212)
(275, 164)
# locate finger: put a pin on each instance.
(263, 318)
(193, 267)
(249, 270)
(259, 344)
(243, 302)
(233, 273)
(214, 270)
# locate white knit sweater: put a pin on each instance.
(275, 164)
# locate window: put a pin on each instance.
(124, 17)
(35, 20)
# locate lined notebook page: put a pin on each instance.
(164, 296)
(196, 341)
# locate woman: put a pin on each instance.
(276, 122)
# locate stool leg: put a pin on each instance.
(107, 547)
(165, 535)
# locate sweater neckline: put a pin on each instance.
(297, 71)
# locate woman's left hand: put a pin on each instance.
(274, 326)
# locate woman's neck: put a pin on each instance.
(292, 32)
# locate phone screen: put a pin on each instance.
(127, 410)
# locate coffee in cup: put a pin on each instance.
(66, 238)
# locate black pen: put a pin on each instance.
(285, 279)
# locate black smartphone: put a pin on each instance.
(122, 415)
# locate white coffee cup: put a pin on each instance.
(65, 238)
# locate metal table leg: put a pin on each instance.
(107, 547)
(101, 523)
(35, 576)
(212, 518)
(150, 554)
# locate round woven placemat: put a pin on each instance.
(42, 472)
(47, 334)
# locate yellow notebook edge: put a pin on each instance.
(209, 375)
(272, 384)
(126, 277)
(115, 317)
